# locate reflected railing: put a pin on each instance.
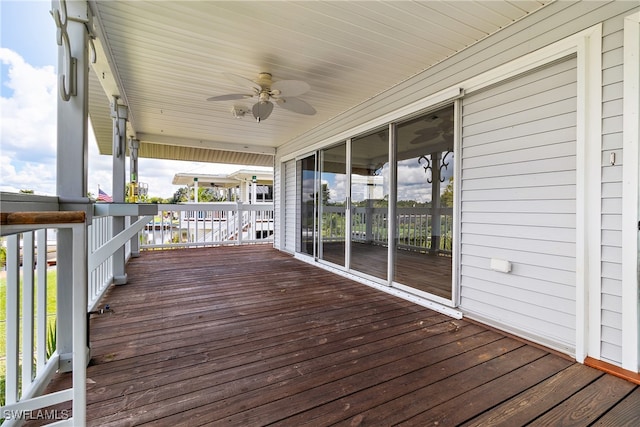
(415, 227)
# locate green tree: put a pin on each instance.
(207, 194)
(181, 195)
(446, 199)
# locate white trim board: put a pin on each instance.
(630, 197)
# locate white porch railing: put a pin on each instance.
(29, 366)
(31, 359)
(208, 224)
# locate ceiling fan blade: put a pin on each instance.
(262, 110)
(229, 97)
(290, 87)
(296, 105)
(243, 81)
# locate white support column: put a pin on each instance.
(134, 145)
(254, 192)
(195, 190)
(244, 192)
(81, 357)
(72, 152)
(630, 196)
(119, 113)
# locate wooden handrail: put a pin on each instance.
(35, 218)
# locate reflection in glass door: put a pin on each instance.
(307, 190)
(333, 187)
(424, 203)
(370, 203)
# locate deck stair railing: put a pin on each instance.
(208, 224)
(29, 366)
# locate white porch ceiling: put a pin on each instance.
(164, 58)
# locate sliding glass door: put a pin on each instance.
(307, 191)
(353, 199)
(424, 203)
(370, 203)
(333, 196)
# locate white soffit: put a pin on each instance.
(166, 58)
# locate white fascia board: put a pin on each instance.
(630, 197)
(200, 143)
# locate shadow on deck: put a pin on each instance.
(244, 336)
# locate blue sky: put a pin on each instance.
(28, 56)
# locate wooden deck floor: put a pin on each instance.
(249, 336)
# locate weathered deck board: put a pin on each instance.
(249, 336)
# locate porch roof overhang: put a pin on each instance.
(224, 180)
(164, 59)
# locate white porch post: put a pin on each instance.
(244, 192)
(195, 190)
(119, 113)
(72, 154)
(134, 144)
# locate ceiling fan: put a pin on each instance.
(283, 92)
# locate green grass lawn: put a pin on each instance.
(51, 312)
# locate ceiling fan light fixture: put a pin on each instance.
(262, 110)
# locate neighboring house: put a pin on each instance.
(498, 180)
(243, 185)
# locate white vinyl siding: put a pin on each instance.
(290, 206)
(518, 193)
(612, 103)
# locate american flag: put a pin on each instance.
(104, 197)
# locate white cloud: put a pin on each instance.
(28, 140)
(28, 127)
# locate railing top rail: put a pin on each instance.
(42, 218)
(18, 202)
(214, 206)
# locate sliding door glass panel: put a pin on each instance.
(370, 203)
(333, 187)
(424, 203)
(307, 186)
